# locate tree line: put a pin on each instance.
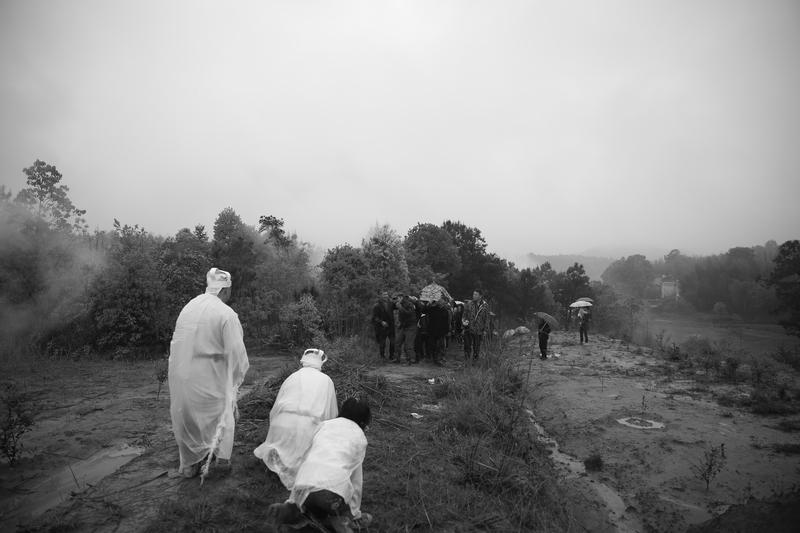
(65, 290)
(755, 283)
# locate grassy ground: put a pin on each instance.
(468, 463)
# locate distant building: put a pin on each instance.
(670, 289)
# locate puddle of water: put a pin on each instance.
(640, 423)
(625, 523)
(38, 496)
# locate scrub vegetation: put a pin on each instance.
(469, 462)
(16, 419)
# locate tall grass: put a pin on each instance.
(467, 462)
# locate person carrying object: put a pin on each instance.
(544, 335)
(383, 322)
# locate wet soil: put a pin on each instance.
(102, 438)
(651, 428)
(646, 426)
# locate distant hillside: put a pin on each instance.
(594, 261)
(594, 266)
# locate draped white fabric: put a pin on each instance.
(306, 398)
(207, 364)
(334, 463)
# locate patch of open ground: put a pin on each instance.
(635, 475)
(584, 397)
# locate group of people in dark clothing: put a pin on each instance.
(416, 328)
(425, 325)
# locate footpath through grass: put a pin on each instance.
(469, 463)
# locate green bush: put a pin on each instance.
(788, 356)
(301, 324)
(17, 419)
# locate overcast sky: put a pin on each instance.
(553, 127)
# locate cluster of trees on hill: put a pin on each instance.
(752, 283)
(65, 289)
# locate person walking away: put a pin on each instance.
(329, 483)
(544, 336)
(207, 364)
(475, 322)
(383, 322)
(407, 329)
(306, 398)
(583, 324)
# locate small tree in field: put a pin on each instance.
(17, 419)
(712, 464)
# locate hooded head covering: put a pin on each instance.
(216, 280)
(313, 358)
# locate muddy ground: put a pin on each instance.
(580, 397)
(95, 417)
(102, 437)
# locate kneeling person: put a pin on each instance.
(306, 398)
(329, 482)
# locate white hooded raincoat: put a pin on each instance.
(334, 463)
(207, 364)
(306, 398)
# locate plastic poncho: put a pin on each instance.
(334, 463)
(306, 398)
(207, 364)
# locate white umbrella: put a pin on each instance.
(581, 303)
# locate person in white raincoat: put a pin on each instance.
(207, 364)
(329, 483)
(306, 398)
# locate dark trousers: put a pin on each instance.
(382, 335)
(584, 335)
(472, 345)
(419, 344)
(543, 337)
(406, 338)
(434, 347)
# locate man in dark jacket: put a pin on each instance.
(476, 325)
(438, 328)
(407, 328)
(383, 322)
(544, 336)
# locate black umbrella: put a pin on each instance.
(548, 318)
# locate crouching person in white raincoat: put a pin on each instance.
(329, 483)
(207, 364)
(306, 398)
